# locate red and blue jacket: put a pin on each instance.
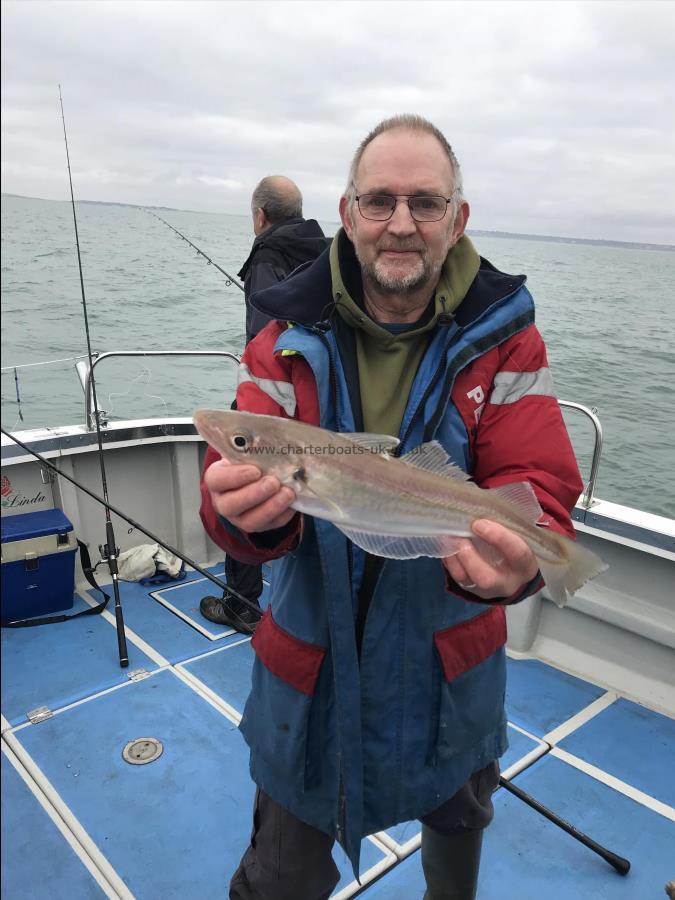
(365, 714)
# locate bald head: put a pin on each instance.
(402, 123)
(279, 198)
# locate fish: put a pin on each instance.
(418, 504)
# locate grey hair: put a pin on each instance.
(278, 203)
(408, 122)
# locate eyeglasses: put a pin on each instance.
(380, 207)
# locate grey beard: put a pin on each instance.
(386, 284)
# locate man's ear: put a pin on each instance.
(346, 217)
(260, 222)
(461, 219)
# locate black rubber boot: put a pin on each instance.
(450, 863)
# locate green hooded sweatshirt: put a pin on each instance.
(387, 363)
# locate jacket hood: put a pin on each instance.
(457, 275)
(296, 240)
(307, 296)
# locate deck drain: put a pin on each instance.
(142, 750)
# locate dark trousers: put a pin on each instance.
(244, 578)
(289, 860)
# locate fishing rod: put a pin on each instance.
(109, 551)
(621, 865)
(230, 278)
(153, 537)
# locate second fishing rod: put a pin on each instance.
(230, 278)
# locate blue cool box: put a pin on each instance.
(38, 564)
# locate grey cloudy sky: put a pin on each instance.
(561, 113)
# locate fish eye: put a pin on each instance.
(240, 441)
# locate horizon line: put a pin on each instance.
(479, 231)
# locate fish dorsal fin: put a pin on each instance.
(375, 442)
(431, 457)
(521, 495)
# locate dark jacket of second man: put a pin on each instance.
(274, 255)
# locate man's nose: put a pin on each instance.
(402, 221)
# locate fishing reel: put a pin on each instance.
(104, 550)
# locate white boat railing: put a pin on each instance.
(587, 498)
(84, 372)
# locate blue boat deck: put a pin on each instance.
(79, 821)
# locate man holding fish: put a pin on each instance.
(378, 685)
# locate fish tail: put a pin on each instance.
(582, 565)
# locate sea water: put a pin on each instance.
(607, 313)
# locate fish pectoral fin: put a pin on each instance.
(301, 486)
(376, 442)
(399, 546)
(431, 457)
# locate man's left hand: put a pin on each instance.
(516, 567)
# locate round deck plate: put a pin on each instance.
(142, 750)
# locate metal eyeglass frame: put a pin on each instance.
(399, 198)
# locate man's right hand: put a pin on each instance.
(248, 499)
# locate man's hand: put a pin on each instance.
(488, 580)
(247, 498)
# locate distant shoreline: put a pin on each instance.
(636, 245)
